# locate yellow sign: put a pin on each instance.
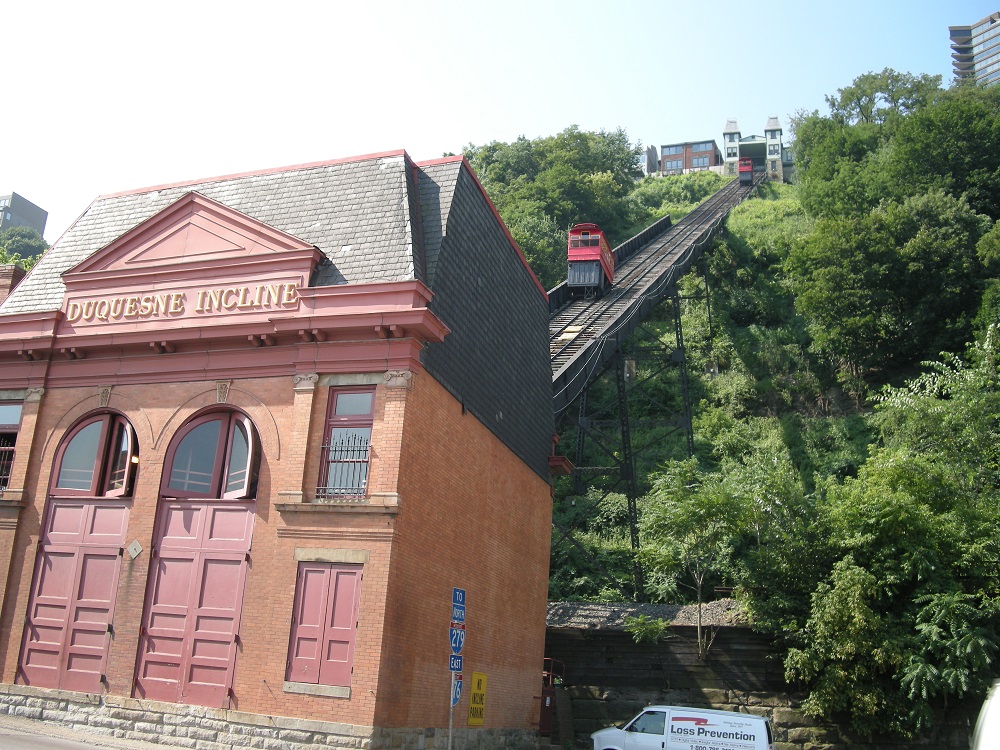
(477, 700)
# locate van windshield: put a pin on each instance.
(650, 722)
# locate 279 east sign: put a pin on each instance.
(457, 636)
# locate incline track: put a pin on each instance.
(585, 333)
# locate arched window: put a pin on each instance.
(99, 458)
(215, 455)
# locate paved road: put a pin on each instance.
(17, 733)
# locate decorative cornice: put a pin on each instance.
(305, 381)
(397, 378)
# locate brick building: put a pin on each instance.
(693, 156)
(266, 425)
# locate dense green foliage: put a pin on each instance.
(21, 246)
(543, 187)
(846, 387)
(895, 272)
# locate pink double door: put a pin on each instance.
(188, 644)
(67, 632)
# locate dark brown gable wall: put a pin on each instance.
(495, 360)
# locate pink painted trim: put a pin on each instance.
(273, 170)
(268, 241)
(235, 361)
(500, 221)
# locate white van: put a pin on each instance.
(679, 728)
(987, 735)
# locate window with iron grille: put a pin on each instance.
(347, 444)
(7, 440)
(10, 419)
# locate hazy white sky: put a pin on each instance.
(101, 97)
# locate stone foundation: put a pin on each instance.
(203, 728)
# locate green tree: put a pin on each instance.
(542, 187)
(689, 524)
(908, 617)
(21, 246)
(952, 144)
(874, 98)
(885, 289)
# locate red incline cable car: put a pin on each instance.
(745, 169)
(591, 262)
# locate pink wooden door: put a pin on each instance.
(66, 636)
(187, 653)
(324, 623)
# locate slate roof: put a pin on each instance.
(359, 213)
(379, 218)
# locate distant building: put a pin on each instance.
(767, 151)
(16, 211)
(975, 50)
(695, 156)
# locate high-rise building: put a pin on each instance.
(16, 211)
(975, 50)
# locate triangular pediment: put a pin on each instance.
(195, 232)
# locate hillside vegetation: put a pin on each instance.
(846, 474)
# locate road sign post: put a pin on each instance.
(456, 640)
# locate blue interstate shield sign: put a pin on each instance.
(456, 634)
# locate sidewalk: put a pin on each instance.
(86, 736)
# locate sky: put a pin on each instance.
(103, 97)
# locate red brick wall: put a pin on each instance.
(10, 277)
(156, 413)
(472, 516)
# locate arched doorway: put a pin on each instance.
(67, 631)
(200, 556)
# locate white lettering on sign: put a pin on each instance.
(175, 304)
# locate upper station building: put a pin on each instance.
(768, 154)
(975, 50)
(767, 151)
(277, 436)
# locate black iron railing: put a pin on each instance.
(345, 468)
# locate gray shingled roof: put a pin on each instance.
(356, 212)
